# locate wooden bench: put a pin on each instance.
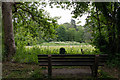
(72, 60)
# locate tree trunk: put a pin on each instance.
(118, 30)
(8, 30)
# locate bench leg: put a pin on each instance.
(49, 67)
(96, 65)
(49, 71)
(94, 70)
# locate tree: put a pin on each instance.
(61, 32)
(71, 34)
(27, 18)
(103, 21)
(79, 34)
(1, 33)
(8, 29)
(73, 24)
(106, 16)
(33, 23)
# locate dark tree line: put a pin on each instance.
(69, 32)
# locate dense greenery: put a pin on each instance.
(36, 32)
(31, 24)
(34, 26)
(103, 24)
(66, 32)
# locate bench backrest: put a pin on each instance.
(72, 60)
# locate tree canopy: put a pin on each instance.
(102, 21)
(30, 21)
(26, 23)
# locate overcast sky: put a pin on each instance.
(66, 15)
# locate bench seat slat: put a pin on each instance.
(77, 62)
(76, 57)
(73, 55)
(71, 59)
(68, 64)
(66, 61)
(68, 55)
(55, 55)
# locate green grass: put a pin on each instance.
(28, 54)
(62, 43)
(103, 74)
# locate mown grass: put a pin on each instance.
(62, 43)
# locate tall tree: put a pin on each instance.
(103, 20)
(27, 16)
(9, 41)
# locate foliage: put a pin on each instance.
(114, 61)
(36, 74)
(61, 32)
(103, 20)
(67, 32)
(102, 23)
(103, 74)
(32, 24)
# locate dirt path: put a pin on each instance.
(65, 72)
(18, 70)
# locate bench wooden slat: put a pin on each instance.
(71, 59)
(79, 58)
(74, 62)
(68, 55)
(72, 55)
(40, 58)
(65, 61)
(67, 64)
(40, 55)
(103, 55)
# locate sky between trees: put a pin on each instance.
(65, 15)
